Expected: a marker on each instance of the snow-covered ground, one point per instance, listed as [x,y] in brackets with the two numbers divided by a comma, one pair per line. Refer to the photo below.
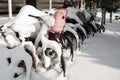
[100,58]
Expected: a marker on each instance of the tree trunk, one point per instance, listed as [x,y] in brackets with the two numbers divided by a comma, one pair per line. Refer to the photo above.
[99,3]
[82,4]
[94,9]
[31,2]
[110,17]
[103,16]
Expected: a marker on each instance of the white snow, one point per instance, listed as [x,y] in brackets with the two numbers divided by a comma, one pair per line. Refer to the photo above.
[99,58]
[7,71]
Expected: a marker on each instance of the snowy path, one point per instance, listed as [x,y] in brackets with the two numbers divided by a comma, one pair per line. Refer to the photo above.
[100,58]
